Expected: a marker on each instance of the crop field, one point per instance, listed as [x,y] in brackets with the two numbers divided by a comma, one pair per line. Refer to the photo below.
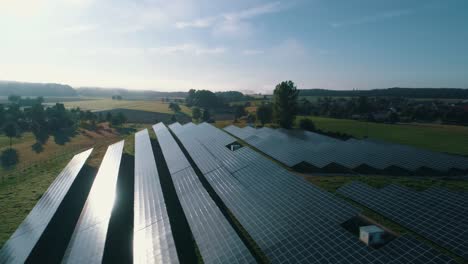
[108,104]
[23,185]
[442,138]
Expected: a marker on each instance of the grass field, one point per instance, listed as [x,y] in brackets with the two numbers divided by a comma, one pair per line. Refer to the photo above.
[22,186]
[442,138]
[107,104]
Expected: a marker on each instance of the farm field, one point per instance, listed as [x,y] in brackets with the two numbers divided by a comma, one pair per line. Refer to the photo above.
[442,138]
[23,185]
[108,104]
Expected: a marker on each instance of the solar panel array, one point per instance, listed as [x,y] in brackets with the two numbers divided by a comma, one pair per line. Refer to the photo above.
[292,147]
[87,242]
[291,220]
[153,241]
[19,246]
[216,239]
[437,214]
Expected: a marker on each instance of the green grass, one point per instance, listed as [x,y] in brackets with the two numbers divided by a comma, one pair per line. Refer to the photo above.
[442,138]
[332,183]
[5,141]
[144,105]
[22,186]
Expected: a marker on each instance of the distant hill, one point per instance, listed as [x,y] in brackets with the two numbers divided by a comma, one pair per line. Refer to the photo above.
[446,93]
[35,89]
[125,93]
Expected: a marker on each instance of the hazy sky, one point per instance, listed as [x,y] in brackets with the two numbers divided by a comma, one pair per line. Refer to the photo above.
[239,45]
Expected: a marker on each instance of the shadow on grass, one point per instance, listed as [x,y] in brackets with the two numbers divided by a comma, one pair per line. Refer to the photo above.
[37,147]
[54,241]
[9,158]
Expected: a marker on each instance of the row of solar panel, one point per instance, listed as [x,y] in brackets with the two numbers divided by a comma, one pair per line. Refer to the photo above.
[153,241]
[87,240]
[215,237]
[291,220]
[320,152]
[437,214]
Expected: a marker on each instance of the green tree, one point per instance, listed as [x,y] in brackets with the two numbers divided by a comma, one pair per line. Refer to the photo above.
[251,118]
[10,130]
[2,115]
[363,105]
[108,116]
[265,113]
[239,112]
[196,113]
[307,124]
[285,103]
[118,119]
[206,115]
[174,107]
[38,123]
[14,98]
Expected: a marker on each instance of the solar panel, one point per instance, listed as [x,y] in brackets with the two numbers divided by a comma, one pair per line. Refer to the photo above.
[292,147]
[216,239]
[291,220]
[87,242]
[437,214]
[21,243]
[153,241]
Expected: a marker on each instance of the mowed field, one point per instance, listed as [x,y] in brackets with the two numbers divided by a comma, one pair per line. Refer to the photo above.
[143,105]
[22,186]
[442,138]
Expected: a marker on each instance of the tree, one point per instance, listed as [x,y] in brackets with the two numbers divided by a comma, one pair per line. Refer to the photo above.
[10,130]
[108,116]
[2,115]
[363,105]
[239,112]
[118,119]
[174,107]
[206,115]
[38,123]
[204,98]
[285,103]
[14,98]
[251,118]
[196,113]
[265,113]
[307,124]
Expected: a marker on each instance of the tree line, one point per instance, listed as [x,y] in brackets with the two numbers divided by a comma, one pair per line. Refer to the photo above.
[433,93]
[43,122]
[386,109]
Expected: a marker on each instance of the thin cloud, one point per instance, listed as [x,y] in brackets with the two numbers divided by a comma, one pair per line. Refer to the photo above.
[230,18]
[187,49]
[252,52]
[373,18]
[80,28]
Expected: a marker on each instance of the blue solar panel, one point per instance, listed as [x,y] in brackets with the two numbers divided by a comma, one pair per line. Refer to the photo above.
[87,242]
[216,239]
[19,246]
[291,220]
[292,147]
[437,214]
[153,241]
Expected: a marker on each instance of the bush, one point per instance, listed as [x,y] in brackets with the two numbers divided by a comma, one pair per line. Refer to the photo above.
[9,157]
[307,124]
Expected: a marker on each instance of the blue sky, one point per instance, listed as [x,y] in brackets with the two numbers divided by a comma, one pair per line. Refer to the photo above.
[235,45]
